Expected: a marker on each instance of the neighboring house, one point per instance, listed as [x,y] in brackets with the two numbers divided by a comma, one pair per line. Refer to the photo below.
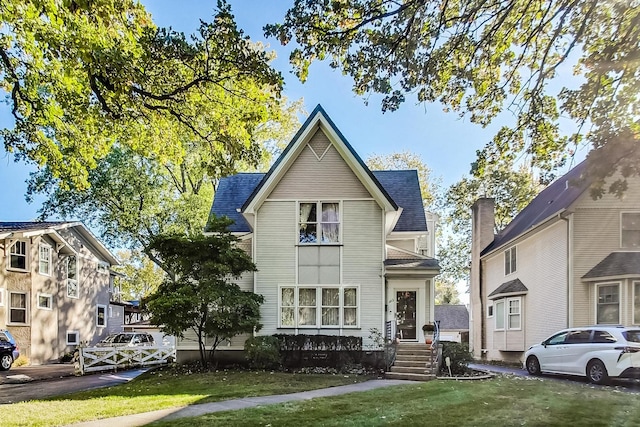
[337,246]
[453,320]
[54,287]
[566,260]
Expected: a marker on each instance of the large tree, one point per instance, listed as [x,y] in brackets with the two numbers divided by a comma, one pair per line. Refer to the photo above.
[82,76]
[139,277]
[199,295]
[482,58]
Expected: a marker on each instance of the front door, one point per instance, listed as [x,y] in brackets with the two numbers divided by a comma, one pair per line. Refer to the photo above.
[406,315]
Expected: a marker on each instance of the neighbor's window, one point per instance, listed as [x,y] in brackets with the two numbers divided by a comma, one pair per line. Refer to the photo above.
[44,253]
[509,309]
[72,277]
[73,337]
[18,255]
[319,222]
[101,316]
[18,307]
[608,310]
[490,310]
[318,307]
[630,230]
[514,313]
[510,261]
[45,301]
[636,303]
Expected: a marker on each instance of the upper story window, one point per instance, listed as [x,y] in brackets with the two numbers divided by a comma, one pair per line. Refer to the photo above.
[319,222]
[510,261]
[72,277]
[18,255]
[630,230]
[44,256]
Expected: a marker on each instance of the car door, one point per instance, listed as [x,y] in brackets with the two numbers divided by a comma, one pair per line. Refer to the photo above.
[552,351]
[577,344]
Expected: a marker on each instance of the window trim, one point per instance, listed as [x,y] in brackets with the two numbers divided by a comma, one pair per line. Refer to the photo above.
[67,280]
[597,304]
[104,315]
[490,310]
[26,308]
[12,243]
[77,334]
[2,297]
[635,295]
[513,260]
[49,297]
[622,213]
[49,260]
[319,222]
[506,307]
[318,324]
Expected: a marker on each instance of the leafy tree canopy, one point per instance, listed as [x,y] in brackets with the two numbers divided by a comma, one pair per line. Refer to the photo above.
[446,293]
[199,295]
[139,276]
[82,76]
[481,58]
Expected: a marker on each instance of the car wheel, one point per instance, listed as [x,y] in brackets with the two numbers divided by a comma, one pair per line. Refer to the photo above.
[5,362]
[597,372]
[533,366]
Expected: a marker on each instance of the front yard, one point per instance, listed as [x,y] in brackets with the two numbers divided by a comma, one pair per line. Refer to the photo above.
[500,401]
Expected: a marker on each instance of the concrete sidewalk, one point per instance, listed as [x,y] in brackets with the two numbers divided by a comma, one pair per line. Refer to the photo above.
[227,405]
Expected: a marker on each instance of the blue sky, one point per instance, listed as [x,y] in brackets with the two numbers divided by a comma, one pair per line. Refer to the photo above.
[446,143]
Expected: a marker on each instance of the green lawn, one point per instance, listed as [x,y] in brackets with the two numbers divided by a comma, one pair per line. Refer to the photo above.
[503,401]
[160,390]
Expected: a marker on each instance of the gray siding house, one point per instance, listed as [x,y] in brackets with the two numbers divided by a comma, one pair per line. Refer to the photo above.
[54,287]
[337,246]
[566,260]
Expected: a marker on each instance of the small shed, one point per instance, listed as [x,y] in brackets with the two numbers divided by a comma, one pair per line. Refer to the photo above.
[454,322]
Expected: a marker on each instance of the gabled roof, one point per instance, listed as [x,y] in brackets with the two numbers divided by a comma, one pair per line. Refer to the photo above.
[398,188]
[319,119]
[554,199]
[616,264]
[451,316]
[34,228]
[512,287]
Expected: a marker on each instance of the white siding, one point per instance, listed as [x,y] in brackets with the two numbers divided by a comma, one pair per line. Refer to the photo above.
[275,240]
[541,267]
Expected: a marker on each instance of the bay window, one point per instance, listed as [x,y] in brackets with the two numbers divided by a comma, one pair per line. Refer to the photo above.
[318,307]
[507,313]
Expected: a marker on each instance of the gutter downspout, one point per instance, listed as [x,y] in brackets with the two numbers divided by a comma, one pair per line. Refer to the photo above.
[569,234]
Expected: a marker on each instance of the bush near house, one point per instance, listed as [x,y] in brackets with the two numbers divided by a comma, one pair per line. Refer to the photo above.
[459,355]
[319,350]
[263,352]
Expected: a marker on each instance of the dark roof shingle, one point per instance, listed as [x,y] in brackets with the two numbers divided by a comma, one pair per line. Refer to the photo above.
[29,225]
[404,188]
[616,264]
[451,316]
[427,263]
[510,287]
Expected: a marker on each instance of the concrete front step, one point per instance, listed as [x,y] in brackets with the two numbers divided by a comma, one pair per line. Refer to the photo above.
[410,369]
[412,352]
[413,358]
[409,377]
[412,363]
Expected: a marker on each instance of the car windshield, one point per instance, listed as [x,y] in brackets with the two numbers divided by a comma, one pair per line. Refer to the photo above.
[119,339]
[632,336]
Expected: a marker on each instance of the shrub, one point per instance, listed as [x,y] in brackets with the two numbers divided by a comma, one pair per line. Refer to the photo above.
[319,350]
[459,355]
[22,360]
[262,352]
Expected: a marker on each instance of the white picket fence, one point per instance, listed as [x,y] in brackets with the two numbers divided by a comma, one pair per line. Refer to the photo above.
[105,358]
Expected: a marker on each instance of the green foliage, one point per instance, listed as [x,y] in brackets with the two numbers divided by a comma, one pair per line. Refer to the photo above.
[262,352]
[459,355]
[319,350]
[446,293]
[140,276]
[198,294]
[83,76]
[482,58]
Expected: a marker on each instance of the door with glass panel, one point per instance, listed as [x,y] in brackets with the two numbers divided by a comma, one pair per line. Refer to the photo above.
[406,327]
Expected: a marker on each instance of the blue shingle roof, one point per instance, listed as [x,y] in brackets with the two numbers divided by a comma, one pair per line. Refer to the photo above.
[402,186]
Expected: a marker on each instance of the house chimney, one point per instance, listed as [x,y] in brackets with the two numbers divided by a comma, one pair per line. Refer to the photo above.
[482,225]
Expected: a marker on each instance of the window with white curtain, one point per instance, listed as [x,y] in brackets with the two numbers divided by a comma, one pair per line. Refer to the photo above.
[319,222]
[18,255]
[318,307]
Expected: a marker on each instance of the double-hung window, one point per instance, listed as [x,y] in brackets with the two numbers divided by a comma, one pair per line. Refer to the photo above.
[507,313]
[510,261]
[318,306]
[319,222]
[630,230]
[45,301]
[101,316]
[18,255]
[608,309]
[44,257]
[72,277]
[18,305]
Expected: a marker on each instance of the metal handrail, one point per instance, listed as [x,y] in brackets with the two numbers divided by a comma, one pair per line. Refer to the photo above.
[434,347]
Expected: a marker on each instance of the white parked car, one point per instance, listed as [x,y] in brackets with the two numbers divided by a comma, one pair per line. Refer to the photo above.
[130,339]
[597,352]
